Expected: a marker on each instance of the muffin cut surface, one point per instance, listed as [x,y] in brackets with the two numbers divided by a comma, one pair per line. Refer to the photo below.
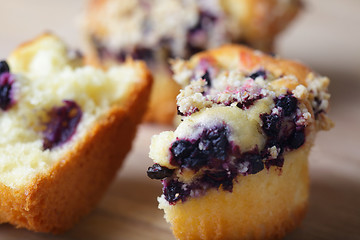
[66,130]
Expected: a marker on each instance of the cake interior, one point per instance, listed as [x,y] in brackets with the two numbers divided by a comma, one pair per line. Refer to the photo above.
[53,101]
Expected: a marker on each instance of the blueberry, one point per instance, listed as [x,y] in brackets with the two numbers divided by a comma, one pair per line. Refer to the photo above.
[4,67]
[187,154]
[218,178]
[248,102]
[6,83]
[212,144]
[121,56]
[138,53]
[288,103]
[271,124]
[255,161]
[277,162]
[259,73]
[204,22]
[207,78]
[178,111]
[244,104]
[181,149]
[197,160]
[62,125]
[215,143]
[297,139]
[142,53]
[158,172]
[173,191]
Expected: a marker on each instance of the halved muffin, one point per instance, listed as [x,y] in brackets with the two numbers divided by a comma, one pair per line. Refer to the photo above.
[156,30]
[66,129]
[236,166]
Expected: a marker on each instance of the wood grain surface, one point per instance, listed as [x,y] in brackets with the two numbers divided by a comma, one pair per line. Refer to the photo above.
[326,37]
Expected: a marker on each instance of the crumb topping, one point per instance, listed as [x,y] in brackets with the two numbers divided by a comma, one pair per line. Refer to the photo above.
[318,94]
[232,86]
[228,87]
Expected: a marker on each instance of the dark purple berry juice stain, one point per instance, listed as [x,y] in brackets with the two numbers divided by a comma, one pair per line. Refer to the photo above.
[6,82]
[62,125]
[6,86]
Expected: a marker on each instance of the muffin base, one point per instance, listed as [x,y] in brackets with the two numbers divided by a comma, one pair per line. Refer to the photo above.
[266,205]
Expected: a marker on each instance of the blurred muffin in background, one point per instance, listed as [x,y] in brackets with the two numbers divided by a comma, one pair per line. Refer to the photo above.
[156,30]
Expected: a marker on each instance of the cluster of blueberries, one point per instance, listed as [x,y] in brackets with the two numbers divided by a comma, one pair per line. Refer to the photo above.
[213,151]
[63,124]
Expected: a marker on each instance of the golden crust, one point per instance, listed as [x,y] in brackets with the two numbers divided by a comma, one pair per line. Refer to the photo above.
[55,201]
[266,205]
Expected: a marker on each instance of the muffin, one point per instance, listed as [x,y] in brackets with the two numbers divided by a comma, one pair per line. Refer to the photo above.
[156,30]
[66,129]
[236,166]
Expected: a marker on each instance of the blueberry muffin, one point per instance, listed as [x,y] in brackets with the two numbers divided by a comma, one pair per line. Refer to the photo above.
[236,166]
[66,128]
[155,30]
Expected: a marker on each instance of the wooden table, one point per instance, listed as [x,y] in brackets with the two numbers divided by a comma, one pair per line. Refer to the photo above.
[326,37]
